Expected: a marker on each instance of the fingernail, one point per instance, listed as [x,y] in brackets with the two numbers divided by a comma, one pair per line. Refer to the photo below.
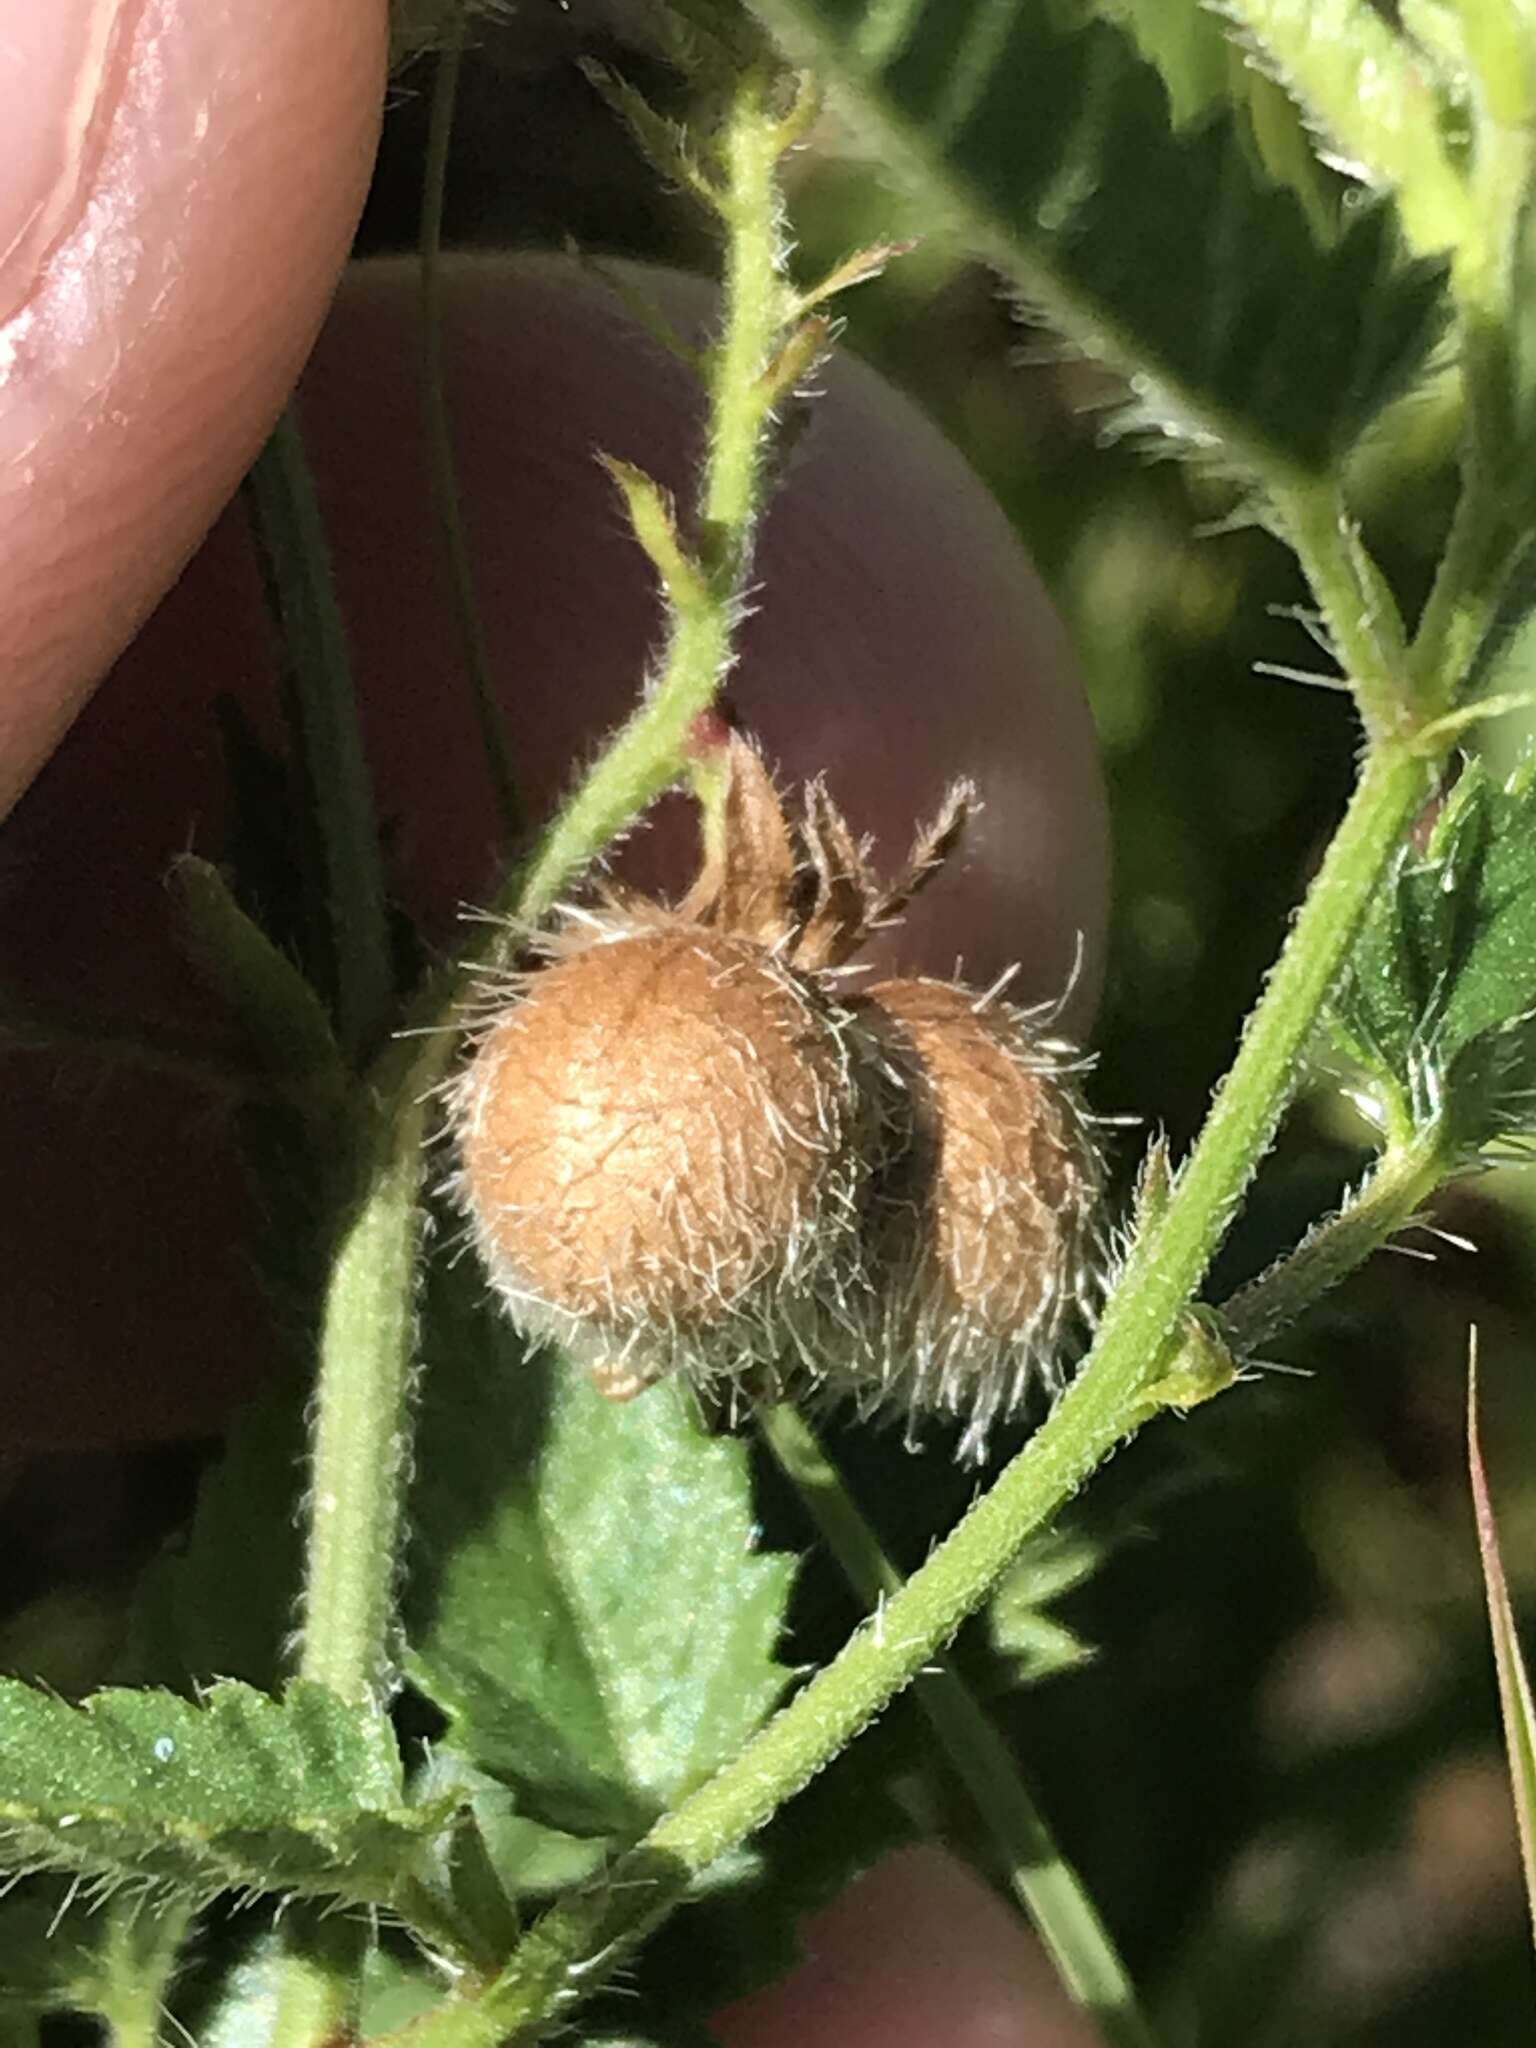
[56,72]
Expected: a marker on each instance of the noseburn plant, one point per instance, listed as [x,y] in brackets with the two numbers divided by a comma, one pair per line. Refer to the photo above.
[586,1628]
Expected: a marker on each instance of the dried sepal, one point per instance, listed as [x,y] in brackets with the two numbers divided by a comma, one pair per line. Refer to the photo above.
[804,883]
[747,882]
[930,851]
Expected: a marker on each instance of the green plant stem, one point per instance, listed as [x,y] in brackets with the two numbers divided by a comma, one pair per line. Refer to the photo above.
[361,1432]
[447,510]
[581,1936]
[139,1953]
[646,756]
[358,1463]
[756,302]
[360,1449]
[1046,1885]
[1400,1184]
[304,599]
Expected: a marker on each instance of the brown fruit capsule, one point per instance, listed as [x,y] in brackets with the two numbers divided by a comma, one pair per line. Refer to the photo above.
[982,1238]
[682,1151]
[662,1152]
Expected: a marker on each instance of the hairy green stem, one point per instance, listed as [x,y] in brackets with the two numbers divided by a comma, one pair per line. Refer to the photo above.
[756,304]
[360,1449]
[1399,1185]
[442,479]
[139,1951]
[365,1349]
[1046,1885]
[583,1935]
[339,791]
[646,755]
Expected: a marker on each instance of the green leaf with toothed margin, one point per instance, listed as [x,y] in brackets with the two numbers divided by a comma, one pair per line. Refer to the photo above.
[236,1791]
[1377,98]
[1051,149]
[1438,1003]
[586,1600]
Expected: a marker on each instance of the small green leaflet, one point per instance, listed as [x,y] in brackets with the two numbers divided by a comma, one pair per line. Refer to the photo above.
[1051,148]
[585,1600]
[235,1791]
[1031,1642]
[1438,1003]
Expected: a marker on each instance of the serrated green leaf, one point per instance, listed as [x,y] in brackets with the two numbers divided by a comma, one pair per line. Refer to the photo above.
[1167,254]
[236,1791]
[1201,67]
[585,1600]
[1515,1703]
[1374,98]
[1184,42]
[1439,1001]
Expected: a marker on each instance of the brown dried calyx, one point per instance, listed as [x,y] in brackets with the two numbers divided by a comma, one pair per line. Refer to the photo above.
[684,1148]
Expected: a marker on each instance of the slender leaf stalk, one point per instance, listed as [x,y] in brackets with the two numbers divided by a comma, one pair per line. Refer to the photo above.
[361,1437]
[1399,1185]
[335,770]
[1046,1885]
[1516,1707]
[647,754]
[140,1946]
[447,509]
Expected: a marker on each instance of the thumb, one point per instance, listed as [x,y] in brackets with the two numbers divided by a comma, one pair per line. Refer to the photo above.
[180,182]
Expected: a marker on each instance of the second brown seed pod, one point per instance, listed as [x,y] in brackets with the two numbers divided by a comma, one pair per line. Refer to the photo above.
[983,1236]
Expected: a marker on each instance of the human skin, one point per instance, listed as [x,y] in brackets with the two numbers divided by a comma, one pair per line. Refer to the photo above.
[180,182]
[177,193]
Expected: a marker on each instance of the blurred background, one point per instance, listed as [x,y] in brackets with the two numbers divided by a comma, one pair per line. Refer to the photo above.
[1262,1711]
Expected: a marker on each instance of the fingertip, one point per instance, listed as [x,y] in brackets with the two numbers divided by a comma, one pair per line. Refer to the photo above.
[916,1952]
[175,215]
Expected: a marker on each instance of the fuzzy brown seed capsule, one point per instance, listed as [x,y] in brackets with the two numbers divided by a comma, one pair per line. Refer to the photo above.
[982,1232]
[681,1151]
[662,1152]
